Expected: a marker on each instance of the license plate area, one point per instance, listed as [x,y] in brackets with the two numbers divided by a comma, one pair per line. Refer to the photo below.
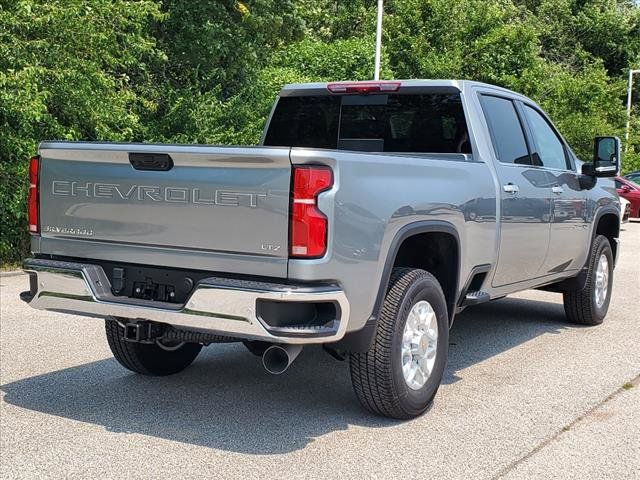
[148,290]
[149,283]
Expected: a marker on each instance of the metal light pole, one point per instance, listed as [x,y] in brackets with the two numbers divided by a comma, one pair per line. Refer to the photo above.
[629,88]
[376,73]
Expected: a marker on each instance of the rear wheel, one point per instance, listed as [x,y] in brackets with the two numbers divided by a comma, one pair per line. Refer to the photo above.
[160,358]
[400,374]
[589,305]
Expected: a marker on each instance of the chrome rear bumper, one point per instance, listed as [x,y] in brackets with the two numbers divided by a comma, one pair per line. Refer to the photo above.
[217,305]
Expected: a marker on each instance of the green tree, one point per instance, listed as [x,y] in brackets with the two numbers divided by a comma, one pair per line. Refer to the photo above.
[207,71]
[70,70]
[220,44]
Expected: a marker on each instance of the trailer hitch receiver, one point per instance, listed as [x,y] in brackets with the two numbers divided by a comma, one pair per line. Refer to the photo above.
[142,332]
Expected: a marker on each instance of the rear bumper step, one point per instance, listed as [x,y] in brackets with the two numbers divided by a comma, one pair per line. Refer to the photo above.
[217,305]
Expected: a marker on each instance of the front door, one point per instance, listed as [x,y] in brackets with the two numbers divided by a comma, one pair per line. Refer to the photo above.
[569,236]
[525,196]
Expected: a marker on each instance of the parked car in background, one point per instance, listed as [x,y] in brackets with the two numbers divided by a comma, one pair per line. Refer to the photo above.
[633,176]
[625,210]
[630,191]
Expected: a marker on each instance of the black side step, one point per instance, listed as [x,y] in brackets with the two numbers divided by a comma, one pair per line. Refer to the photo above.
[473,293]
[475,298]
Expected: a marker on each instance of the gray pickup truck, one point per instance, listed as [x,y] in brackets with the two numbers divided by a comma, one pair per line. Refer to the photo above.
[370,214]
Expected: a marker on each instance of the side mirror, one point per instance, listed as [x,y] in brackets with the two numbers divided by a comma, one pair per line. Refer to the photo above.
[625,189]
[606,157]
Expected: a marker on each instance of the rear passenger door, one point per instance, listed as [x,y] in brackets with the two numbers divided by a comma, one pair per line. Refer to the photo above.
[569,233]
[525,194]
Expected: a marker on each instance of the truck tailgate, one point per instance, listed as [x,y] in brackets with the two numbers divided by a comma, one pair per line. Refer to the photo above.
[217,203]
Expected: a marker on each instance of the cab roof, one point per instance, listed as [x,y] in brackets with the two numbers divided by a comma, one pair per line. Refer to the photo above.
[415,86]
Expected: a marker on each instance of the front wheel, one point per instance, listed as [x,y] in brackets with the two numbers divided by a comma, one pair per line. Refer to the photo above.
[589,305]
[400,374]
[160,358]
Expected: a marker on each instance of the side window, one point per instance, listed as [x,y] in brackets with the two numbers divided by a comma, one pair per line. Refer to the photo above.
[506,130]
[549,150]
[618,184]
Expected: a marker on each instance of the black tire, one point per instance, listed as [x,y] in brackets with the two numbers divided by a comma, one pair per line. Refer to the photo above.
[377,375]
[580,306]
[148,359]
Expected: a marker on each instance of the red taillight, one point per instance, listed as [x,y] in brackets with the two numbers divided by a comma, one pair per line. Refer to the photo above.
[363,87]
[33,200]
[308,224]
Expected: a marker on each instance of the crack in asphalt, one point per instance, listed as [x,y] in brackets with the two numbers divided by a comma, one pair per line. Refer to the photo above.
[635,382]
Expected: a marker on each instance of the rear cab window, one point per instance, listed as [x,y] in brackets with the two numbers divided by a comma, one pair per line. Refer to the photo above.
[412,123]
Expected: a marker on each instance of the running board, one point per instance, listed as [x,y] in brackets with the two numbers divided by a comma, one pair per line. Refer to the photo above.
[475,298]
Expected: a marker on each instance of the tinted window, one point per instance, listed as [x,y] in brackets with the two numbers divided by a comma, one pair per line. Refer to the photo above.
[428,123]
[549,150]
[618,184]
[506,130]
[305,122]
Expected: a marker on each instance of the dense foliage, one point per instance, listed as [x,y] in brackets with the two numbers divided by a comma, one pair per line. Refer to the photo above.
[207,71]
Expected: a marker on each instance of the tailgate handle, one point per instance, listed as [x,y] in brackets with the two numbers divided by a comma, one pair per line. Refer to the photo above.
[151,161]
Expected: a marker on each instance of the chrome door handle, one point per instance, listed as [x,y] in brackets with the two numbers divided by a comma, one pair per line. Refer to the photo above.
[557,189]
[511,188]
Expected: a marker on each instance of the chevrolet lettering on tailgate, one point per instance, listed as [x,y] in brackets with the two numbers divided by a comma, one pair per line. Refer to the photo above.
[156,193]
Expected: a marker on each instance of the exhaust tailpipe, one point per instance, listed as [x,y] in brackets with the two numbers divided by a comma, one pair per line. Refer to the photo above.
[277,358]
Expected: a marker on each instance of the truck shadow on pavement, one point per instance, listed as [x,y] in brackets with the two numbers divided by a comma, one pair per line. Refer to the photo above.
[226,401]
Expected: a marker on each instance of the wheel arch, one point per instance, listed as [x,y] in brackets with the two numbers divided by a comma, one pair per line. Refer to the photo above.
[445,235]
[607,223]
[445,269]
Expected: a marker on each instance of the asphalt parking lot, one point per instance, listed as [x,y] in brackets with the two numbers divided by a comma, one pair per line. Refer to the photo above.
[525,395]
